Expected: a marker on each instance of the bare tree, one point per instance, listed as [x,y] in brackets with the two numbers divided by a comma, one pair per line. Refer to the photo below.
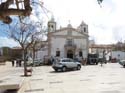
[38,42]
[24,34]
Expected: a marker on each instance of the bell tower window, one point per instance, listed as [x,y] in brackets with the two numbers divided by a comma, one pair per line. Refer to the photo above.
[69,41]
[84,29]
[52,26]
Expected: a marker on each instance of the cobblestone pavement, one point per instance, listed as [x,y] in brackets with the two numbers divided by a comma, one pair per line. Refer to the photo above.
[7,72]
[90,79]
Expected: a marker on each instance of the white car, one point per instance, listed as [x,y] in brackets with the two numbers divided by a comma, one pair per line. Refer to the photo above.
[66,63]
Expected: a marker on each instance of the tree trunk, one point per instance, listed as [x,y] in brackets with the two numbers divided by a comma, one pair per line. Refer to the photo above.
[25,62]
[33,55]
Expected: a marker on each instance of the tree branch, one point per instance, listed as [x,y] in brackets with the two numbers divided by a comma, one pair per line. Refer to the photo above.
[6,12]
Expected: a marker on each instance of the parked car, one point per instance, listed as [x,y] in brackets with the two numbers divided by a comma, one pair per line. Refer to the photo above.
[29,63]
[37,63]
[122,62]
[65,64]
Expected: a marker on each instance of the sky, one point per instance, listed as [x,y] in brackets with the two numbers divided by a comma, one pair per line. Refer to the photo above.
[106,23]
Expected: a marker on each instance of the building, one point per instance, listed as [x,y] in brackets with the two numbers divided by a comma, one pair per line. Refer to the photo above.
[102,50]
[96,48]
[1,52]
[16,53]
[5,54]
[68,41]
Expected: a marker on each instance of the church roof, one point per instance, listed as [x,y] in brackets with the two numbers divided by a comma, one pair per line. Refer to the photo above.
[82,23]
[69,28]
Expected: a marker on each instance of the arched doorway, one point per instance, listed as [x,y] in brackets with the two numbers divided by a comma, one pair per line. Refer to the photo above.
[69,54]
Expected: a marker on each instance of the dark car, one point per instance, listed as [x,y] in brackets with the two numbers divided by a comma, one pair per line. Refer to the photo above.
[37,63]
[122,62]
[92,59]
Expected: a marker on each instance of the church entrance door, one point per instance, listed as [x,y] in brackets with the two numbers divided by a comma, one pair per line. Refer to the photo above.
[70,54]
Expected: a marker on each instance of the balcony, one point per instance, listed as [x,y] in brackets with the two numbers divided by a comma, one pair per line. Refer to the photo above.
[70,46]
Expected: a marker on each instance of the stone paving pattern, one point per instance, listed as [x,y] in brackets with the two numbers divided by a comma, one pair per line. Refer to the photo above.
[90,79]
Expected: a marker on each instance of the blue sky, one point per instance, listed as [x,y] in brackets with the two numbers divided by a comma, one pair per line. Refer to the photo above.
[106,23]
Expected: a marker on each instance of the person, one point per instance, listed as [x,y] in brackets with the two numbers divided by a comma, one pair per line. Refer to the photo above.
[20,62]
[82,61]
[17,63]
[12,63]
[101,62]
[85,61]
[52,59]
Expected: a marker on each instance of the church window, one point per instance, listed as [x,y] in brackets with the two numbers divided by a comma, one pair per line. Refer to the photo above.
[52,26]
[84,29]
[80,53]
[57,53]
[69,41]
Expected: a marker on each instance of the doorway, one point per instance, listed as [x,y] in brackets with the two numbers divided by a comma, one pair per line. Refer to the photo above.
[69,54]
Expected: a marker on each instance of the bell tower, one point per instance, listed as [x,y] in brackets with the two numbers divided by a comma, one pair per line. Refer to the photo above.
[83,28]
[52,25]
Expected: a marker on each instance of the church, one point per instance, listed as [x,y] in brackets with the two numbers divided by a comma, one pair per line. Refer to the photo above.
[67,41]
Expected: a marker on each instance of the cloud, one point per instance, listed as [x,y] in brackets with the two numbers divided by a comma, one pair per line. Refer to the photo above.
[101,20]
[4,41]
[119,34]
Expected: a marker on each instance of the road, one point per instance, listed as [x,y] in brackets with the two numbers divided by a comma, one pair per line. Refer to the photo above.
[90,79]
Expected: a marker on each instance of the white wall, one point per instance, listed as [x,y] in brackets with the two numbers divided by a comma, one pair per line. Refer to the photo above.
[41,53]
[82,43]
[75,33]
[116,53]
[58,44]
[61,32]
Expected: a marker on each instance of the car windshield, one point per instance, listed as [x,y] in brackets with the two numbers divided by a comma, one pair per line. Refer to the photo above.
[64,60]
[67,60]
[36,60]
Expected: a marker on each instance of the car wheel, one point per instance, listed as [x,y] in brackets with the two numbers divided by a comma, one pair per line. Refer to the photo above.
[64,69]
[40,64]
[96,63]
[78,67]
[124,66]
[56,70]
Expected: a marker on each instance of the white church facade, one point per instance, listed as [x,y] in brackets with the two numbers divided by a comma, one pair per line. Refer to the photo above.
[67,41]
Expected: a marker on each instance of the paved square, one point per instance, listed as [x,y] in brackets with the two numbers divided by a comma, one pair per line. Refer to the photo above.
[90,79]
